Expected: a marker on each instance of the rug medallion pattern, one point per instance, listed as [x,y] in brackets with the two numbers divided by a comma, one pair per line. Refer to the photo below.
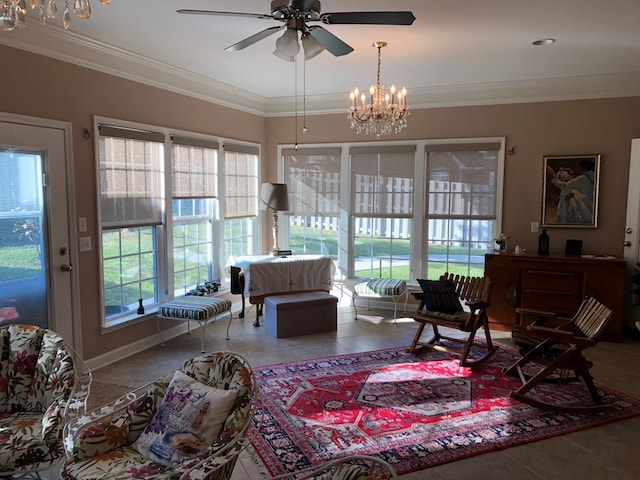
[414,411]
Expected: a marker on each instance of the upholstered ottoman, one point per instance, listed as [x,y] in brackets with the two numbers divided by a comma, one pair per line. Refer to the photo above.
[392,288]
[202,309]
[301,314]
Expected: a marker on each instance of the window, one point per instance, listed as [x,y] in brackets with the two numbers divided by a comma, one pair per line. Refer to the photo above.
[194,169]
[313,177]
[131,185]
[241,206]
[162,214]
[462,205]
[398,217]
[382,182]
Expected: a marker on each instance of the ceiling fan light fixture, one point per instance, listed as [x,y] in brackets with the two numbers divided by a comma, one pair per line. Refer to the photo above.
[311,46]
[287,45]
[283,56]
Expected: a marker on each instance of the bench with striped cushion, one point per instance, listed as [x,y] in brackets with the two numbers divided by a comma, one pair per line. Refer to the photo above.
[201,309]
[392,288]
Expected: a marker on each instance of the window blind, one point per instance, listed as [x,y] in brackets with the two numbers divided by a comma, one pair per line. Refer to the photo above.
[241,181]
[194,168]
[462,180]
[131,177]
[382,180]
[313,177]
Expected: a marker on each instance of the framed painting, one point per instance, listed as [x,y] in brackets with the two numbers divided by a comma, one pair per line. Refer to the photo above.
[570,191]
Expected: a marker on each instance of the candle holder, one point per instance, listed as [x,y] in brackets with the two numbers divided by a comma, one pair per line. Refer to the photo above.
[140,307]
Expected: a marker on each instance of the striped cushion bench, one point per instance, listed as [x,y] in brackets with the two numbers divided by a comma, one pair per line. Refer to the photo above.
[392,288]
[202,309]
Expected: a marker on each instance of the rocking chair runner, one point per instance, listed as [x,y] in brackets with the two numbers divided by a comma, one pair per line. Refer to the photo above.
[557,343]
[441,306]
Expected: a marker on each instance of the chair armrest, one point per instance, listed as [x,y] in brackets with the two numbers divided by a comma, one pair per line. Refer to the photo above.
[536,312]
[351,467]
[541,328]
[112,425]
[559,336]
[477,304]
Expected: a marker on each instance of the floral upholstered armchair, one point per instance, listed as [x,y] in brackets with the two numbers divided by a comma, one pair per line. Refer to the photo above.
[41,379]
[191,424]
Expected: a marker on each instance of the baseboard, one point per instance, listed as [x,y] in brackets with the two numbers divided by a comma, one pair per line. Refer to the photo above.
[125,351]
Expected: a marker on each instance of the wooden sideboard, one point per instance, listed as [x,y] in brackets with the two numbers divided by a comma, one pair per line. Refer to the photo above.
[556,283]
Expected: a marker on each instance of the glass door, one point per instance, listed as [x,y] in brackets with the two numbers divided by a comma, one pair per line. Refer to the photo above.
[35,259]
[23,296]
[632,240]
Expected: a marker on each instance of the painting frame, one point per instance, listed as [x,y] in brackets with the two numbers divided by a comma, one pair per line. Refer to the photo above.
[570,191]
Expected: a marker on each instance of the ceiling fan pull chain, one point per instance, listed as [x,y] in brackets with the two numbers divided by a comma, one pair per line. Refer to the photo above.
[295,94]
[304,96]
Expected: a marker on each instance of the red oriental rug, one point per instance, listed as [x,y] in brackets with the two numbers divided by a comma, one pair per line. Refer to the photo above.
[414,411]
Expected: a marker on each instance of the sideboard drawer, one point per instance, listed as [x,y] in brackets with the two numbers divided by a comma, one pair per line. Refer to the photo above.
[556,291]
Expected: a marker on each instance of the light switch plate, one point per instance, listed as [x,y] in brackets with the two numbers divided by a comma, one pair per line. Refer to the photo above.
[85,244]
[534,227]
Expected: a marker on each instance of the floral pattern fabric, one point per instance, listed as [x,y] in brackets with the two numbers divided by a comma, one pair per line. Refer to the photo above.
[36,381]
[100,446]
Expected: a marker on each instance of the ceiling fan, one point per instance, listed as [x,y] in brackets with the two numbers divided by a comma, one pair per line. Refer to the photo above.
[295,14]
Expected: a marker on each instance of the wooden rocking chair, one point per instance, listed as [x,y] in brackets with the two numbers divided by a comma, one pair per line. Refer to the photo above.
[557,343]
[441,305]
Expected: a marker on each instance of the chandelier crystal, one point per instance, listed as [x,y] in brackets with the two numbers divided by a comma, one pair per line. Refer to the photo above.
[13,13]
[383,112]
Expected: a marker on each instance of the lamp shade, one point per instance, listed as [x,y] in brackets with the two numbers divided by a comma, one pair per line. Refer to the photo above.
[274,196]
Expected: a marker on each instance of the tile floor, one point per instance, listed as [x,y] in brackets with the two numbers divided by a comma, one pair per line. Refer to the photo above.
[610,451]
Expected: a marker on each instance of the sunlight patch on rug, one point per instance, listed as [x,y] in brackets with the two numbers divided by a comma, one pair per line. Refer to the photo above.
[413,411]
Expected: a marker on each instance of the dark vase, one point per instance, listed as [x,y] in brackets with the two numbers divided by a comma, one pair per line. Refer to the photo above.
[543,243]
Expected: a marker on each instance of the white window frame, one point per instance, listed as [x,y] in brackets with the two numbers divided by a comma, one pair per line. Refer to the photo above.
[419,223]
[164,263]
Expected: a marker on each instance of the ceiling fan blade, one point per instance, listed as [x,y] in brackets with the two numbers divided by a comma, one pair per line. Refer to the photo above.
[256,37]
[188,11]
[368,18]
[330,42]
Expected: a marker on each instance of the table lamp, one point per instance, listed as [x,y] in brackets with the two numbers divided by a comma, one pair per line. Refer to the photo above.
[274,197]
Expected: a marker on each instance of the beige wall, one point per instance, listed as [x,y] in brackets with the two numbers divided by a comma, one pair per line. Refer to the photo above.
[603,126]
[47,88]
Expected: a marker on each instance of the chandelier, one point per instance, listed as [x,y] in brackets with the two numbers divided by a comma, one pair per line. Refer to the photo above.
[13,13]
[385,113]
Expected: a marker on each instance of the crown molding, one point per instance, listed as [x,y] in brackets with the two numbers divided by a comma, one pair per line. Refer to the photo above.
[54,42]
[64,45]
[625,84]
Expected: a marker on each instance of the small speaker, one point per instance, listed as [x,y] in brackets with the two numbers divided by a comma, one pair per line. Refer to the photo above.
[573,247]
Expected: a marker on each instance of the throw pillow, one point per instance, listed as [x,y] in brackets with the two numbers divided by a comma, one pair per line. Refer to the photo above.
[440,296]
[187,421]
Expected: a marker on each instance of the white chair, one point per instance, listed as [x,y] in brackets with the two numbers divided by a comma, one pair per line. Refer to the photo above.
[100,444]
[42,381]
[354,467]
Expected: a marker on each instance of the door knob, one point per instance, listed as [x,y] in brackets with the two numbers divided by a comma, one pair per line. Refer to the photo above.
[627,243]
[629,230]
[65,267]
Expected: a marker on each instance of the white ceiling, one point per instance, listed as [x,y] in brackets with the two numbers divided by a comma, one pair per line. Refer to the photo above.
[457,52]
